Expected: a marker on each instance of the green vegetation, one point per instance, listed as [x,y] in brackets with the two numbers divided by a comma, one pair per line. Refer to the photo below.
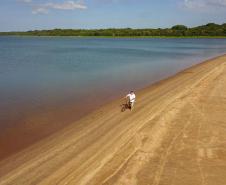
[208,30]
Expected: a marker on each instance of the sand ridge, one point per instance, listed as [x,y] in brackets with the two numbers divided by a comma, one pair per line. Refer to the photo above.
[175,135]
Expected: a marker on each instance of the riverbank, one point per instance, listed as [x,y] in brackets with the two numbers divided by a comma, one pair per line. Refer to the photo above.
[208,30]
[122,37]
[175,134]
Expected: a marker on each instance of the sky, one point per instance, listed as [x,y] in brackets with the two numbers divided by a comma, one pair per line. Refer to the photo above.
[24,15]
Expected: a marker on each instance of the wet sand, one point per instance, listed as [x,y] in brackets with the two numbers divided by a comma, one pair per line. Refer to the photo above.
[175,135]
[25,125]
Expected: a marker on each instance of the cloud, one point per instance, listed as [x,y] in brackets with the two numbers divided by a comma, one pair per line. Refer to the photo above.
[220,3]
[25,1]
[39,10]
[194,4]
[68,5]
[204,4]
[44,8]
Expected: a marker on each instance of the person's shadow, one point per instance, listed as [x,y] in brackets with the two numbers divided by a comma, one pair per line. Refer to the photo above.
[124,106]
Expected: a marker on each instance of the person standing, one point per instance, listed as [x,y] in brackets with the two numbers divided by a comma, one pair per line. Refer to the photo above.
[131,97]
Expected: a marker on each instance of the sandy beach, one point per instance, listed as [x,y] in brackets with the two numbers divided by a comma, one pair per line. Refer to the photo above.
[175,135]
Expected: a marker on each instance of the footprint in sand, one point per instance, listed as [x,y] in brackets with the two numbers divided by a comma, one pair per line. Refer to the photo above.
[206,153]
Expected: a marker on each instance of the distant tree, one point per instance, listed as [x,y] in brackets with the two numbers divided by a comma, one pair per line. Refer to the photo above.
[224,25]
[179,27]
[212,25]
[210,29]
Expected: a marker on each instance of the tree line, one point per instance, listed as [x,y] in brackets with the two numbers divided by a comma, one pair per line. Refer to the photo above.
[208,30]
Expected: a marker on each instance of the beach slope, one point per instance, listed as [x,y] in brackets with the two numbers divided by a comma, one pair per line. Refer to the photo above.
[175,135]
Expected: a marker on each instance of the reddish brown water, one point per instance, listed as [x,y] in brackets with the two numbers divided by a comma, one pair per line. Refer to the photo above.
[39,123]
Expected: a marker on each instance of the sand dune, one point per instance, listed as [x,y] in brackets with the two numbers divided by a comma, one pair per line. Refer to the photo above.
[174,136]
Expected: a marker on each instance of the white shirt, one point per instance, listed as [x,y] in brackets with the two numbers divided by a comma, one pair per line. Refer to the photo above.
[131,97]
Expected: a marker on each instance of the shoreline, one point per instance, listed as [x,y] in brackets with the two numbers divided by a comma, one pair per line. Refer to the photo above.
[121,37]
[46,123]
[106,145]
[28,141]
